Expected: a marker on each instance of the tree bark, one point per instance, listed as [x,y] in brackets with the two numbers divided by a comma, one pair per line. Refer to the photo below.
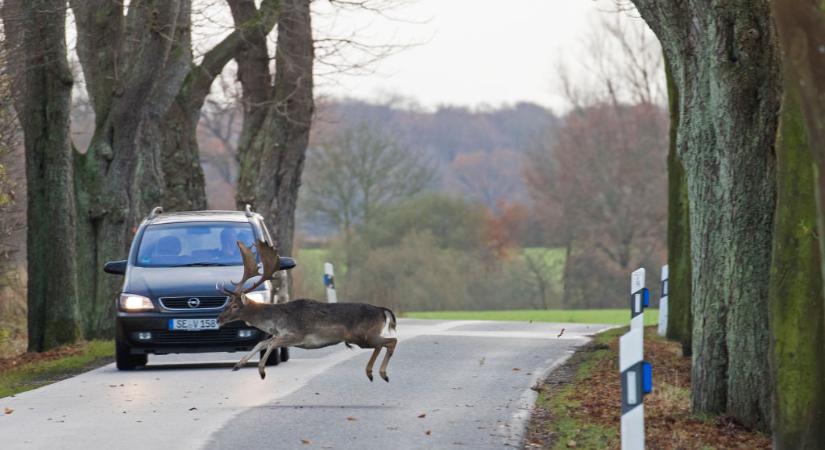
[272,154]
[680,319]
[185,188]
[801,26]
[797,301]
[724,62]
[35,31]
[121,175]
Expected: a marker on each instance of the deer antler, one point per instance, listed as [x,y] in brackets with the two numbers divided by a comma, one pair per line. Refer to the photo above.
[271,265]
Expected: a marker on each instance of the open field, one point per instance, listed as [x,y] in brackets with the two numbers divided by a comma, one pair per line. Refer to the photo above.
[609,316]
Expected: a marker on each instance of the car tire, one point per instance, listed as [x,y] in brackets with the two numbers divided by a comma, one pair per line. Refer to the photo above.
[284,354]
[124,359]
[274,358]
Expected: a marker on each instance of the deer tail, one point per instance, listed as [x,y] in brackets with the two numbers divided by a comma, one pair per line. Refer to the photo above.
[390,318]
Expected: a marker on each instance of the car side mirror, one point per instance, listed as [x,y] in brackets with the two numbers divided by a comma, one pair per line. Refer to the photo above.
[115,267]
[286,263]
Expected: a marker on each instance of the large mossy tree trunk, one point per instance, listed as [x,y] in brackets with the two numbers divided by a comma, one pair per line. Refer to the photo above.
[801,26]
[797,299]
[680,317]
[274,140]
[36,42]
[121,174]
[723,60]
[796,296]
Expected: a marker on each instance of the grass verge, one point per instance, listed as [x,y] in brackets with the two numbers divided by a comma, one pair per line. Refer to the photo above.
[33,370]
[578,405]
[608,316]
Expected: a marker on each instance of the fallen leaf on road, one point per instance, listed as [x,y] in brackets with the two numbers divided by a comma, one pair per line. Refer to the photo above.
[422,415]
[306,441]
[8,410]
[351,419]
[192,408]
[429,432]
[560,333]
[516,369]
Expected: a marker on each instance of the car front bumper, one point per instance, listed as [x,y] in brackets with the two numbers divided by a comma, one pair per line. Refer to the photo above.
[148,332]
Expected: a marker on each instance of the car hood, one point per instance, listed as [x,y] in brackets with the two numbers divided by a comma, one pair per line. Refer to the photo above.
[156,282]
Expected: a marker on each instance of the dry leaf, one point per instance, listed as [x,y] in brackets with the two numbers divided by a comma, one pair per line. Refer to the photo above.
[8,410]
[352,419]
[429,432]
[516,369]
[192,408]
[422,415]
[560,333]
[306,441]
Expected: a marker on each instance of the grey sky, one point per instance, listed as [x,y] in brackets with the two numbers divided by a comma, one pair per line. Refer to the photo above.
[467,52]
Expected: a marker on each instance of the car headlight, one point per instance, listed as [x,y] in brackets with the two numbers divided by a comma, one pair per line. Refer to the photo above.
[258,296]
[132,302]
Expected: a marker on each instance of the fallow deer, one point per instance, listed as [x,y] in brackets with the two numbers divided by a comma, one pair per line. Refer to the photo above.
[305,323]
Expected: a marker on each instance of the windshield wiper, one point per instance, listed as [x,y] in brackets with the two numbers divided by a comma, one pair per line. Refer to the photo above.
[203,264]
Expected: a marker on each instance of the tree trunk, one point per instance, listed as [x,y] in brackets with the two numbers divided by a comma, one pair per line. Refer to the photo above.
[680,319]
[272,155]
[801,25]
[121,175]
[724,62]
[797,305]
[44,82]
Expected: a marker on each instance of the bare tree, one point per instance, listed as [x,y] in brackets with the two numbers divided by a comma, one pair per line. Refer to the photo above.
[353,175]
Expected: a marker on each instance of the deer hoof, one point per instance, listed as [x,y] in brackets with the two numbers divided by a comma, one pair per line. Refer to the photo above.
[236,368]
[369,375]
[263,374]
[385,377]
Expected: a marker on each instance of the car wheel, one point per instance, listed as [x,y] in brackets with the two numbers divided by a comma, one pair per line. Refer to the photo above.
[123,356]
[284,354]
[274,357]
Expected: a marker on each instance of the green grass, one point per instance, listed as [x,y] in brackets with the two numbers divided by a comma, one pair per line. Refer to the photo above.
[40,373]
[608,316]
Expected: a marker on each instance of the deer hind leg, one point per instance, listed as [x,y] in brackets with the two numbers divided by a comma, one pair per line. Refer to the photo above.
[390,344]
[374,356]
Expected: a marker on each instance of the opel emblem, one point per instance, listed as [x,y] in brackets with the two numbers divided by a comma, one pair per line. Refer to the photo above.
[193,302]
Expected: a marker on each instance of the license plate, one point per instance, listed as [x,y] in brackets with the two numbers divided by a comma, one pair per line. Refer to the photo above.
[193,324]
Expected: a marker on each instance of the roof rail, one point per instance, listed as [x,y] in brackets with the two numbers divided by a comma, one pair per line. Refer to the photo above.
[156,211]
[248,210]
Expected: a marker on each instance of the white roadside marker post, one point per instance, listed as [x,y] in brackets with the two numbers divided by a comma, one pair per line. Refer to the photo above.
[636,375]
[663,311]
[329,282]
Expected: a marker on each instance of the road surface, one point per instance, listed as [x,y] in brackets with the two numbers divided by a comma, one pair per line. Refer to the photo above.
[453,384]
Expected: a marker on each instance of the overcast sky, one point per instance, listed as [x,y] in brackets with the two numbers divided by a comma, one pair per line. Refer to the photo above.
[465,52]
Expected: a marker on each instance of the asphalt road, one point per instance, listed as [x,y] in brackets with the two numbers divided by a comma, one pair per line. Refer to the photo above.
[453,384]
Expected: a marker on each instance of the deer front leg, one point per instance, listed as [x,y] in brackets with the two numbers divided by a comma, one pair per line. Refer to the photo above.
[273,344]
[374,356]
[255,350]
[391,342]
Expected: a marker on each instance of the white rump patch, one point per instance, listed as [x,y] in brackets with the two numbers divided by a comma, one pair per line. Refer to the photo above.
[386,331]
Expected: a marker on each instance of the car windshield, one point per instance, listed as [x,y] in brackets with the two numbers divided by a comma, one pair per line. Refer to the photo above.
[194,244]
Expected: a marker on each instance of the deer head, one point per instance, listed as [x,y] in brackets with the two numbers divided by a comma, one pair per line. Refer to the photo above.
[237,297]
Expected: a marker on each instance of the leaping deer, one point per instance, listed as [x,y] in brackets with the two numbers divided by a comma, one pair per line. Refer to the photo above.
[305,323]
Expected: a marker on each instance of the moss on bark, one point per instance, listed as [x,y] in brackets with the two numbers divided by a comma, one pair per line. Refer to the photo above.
[680,318]
[796,296]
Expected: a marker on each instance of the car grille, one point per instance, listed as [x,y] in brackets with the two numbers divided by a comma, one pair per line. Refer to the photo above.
[201,337]
[206,302]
